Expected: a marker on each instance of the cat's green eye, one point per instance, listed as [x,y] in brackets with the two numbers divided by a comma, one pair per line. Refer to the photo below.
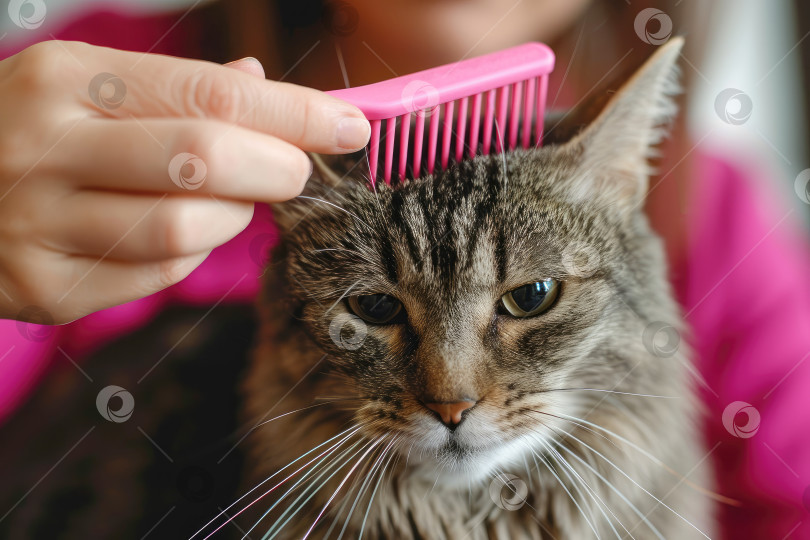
[376,308]
[531,299]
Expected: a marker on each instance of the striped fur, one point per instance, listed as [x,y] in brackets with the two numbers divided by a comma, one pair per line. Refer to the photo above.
[566,398]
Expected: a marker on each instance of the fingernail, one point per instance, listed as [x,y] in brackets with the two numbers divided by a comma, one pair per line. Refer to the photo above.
[245,59]
[353,133]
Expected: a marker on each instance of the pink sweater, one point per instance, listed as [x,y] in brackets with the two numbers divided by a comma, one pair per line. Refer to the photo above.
[743,289]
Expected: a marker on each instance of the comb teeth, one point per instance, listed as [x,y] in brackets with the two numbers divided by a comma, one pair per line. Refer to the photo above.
[429,119]
[429,140]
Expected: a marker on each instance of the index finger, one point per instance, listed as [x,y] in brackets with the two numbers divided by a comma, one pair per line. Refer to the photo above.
[163,86]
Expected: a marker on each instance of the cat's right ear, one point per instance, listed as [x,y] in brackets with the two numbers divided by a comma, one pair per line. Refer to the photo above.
[612,150]
[330,177]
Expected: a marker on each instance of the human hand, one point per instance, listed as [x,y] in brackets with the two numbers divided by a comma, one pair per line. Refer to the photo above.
[121,171]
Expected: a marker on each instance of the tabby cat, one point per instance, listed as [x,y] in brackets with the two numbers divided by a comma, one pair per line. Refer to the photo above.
[488,352]
[491,352]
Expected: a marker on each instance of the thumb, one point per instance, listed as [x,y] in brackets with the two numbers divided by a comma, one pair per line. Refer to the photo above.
[248,65]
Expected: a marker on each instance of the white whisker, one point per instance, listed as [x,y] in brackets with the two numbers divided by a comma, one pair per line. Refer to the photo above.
[613,488]
[318,517]
[373,493]
[609,392]
[633,445]
[366,474]
[322,457]
[309,491]
[257,486]
[291,412]
[638,485]
[591,491]
[570,496]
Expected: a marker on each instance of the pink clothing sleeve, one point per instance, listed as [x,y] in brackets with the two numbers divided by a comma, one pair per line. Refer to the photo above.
[744,291]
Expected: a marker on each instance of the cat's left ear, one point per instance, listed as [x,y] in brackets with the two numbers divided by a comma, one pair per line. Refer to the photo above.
[613,151]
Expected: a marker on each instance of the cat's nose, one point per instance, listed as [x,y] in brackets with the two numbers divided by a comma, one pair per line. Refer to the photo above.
[451,413]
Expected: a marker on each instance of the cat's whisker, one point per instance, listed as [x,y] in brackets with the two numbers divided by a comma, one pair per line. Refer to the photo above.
[310,490]
[335,206]
[305,476]
[378,465]
[323,456]
[432,487]
[320,514]
[359,482]
[581,423]
[373,493]
[633,445]
[605,391]
[577,479]
[408,456]
[567,491]
[552,415]
[600,503]
[528,472]
[609,462]
[293,412]
[352,429]
[366,482]
[613,488]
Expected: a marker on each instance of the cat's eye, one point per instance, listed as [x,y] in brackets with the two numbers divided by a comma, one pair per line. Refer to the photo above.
[531,299]
[376,308]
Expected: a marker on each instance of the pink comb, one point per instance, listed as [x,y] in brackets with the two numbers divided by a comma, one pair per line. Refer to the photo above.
[511,84]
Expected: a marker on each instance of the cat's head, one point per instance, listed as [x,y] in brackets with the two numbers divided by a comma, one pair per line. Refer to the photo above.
[471,311]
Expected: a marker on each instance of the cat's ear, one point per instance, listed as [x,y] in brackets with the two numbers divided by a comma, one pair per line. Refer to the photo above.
[613,152]
[330,176]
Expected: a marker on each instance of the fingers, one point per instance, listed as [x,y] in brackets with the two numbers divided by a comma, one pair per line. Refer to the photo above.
[101,284]
[182,156]
[165,86]
[140,227]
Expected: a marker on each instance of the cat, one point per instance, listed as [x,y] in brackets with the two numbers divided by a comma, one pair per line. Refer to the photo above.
[490,352]
[478,353]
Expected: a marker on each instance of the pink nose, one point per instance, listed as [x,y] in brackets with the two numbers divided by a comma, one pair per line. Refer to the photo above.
[450,413]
